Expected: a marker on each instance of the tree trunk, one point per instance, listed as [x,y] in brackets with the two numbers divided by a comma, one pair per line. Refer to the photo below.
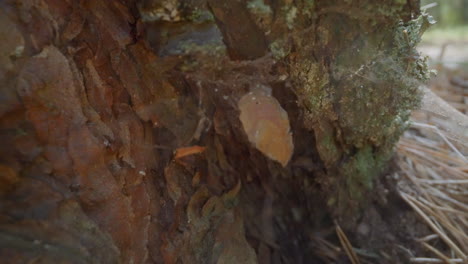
[196,131]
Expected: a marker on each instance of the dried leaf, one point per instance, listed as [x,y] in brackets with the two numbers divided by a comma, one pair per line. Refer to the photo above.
[266,124]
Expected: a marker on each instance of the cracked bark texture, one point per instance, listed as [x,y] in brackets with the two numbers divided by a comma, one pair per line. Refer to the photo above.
[97,96]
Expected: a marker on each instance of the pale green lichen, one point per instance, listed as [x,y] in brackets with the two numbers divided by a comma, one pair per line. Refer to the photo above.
[392,81]
[259,7]
[389,79]
[359,171]
[364,96]
[199,16]
[291,16]
[279,49]
[314,92]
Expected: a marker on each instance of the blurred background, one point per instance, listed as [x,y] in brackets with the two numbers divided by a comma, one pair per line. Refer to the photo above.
[446,44]
[449,35]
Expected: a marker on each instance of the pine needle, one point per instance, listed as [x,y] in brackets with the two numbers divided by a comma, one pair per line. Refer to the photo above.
[435,163]
[347,245]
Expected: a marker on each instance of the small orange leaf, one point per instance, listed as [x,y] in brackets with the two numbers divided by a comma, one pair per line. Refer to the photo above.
[187,151]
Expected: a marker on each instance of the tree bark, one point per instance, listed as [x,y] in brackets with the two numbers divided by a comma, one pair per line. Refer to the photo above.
[196,131]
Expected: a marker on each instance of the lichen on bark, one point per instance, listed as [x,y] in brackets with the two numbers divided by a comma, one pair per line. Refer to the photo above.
[358,85]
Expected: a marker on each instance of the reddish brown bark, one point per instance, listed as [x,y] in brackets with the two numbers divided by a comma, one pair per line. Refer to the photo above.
[95,103]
